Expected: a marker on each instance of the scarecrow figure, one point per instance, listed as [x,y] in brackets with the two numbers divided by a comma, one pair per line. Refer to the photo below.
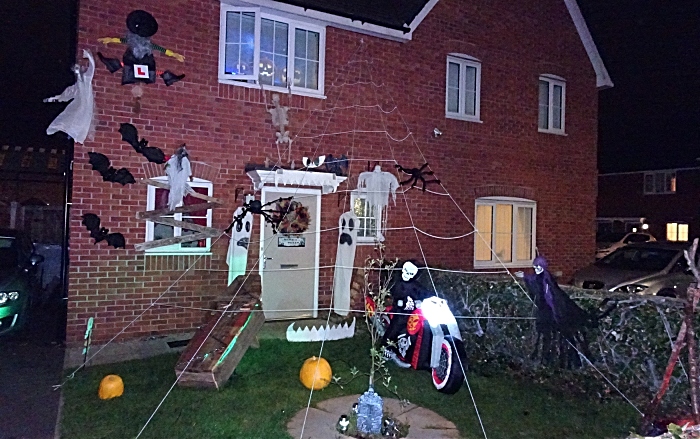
[78,118]
[558,318]
[138,63]
[179,172]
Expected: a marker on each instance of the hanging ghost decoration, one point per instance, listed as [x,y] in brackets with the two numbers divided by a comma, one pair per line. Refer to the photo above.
[179,172]
[78,118]
[237,257]
[138,63]
[376,187]
[344,262]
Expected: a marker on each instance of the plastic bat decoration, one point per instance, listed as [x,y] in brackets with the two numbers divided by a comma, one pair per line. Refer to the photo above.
[131,136]
[101,164]
[92,223]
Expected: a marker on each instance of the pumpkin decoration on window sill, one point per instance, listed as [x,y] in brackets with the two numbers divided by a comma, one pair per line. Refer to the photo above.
[315,373]
[111,386]
[295,217]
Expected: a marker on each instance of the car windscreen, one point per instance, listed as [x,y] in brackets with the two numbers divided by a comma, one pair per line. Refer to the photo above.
[638,259]
[8,252]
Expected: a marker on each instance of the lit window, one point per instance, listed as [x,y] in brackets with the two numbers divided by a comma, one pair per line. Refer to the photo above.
[257,48]
[661,182]
[367,230]
[506,232]
[463,98]
[552,99]
[158,199]
[676,232]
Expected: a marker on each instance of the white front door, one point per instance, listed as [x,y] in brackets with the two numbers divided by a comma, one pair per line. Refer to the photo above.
[289,263]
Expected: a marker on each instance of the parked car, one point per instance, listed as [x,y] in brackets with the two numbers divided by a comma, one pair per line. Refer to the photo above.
[610,242]
[651,268]
[18,264]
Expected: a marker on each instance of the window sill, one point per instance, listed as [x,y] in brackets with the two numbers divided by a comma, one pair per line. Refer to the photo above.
[463,118]
[558,133]
[659,193]
[297,92]
[204,252]
[367,241]
[491,265]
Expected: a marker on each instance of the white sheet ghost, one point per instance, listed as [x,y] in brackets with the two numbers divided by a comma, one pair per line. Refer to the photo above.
[376,186]
[178,171]
[344,262]
[78,118]
[237,256]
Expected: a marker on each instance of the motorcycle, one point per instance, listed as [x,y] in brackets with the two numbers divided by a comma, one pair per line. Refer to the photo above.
[426,337]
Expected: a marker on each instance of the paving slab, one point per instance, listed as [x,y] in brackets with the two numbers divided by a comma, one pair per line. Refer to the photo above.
[320,421]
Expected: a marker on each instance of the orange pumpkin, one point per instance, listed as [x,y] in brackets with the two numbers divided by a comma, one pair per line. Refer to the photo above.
[316,373]
[111,386]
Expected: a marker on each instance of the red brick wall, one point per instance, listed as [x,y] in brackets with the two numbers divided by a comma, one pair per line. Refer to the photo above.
[230,126]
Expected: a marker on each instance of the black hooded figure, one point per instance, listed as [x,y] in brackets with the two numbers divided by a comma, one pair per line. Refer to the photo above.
[138,62]
[405,294]
[558,318]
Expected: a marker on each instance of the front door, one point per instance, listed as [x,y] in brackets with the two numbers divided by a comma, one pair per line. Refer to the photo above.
[289,262]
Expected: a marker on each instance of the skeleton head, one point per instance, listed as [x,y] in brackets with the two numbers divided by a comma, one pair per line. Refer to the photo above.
[539,264]
[408,271]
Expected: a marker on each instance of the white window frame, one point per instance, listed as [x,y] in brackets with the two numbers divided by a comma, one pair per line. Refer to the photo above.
[552,80]
[494,262]
[463,61]
[370,236]
[177,249]
[251,81]
[667,176]
[677,232]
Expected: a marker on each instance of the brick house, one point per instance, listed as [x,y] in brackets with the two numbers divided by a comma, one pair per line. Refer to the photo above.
[666,200]
[512,87]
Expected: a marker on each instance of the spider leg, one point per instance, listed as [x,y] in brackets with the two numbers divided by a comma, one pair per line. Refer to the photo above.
[406,181]
[423,167]
[236,219]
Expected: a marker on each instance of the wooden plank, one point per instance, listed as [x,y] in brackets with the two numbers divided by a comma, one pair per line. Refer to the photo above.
[182,209]
[184,225]
[246,336]
[176,240]
[161,185]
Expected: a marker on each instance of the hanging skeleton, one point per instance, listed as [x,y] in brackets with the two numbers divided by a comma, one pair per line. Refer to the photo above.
[280,120]
[179,172]
[78,118]
[376,186]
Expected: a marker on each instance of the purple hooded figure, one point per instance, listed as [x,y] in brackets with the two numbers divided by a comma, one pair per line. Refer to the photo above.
[558,316]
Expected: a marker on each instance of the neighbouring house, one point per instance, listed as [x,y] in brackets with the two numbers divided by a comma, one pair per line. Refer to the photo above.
[665,201]
[498,97]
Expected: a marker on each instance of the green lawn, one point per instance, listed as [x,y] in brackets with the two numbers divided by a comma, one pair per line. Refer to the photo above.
[265,392]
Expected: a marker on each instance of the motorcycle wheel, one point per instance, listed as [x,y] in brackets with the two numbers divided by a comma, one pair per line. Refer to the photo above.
[448,376]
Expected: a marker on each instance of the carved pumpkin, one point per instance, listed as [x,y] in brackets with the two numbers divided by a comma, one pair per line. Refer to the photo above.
[111,386]
[316,373]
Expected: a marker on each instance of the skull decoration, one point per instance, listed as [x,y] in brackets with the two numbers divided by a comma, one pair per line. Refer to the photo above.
[539,264]
[408,271]
[538,269]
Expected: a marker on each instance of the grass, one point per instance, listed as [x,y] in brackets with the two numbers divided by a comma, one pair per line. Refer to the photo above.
[265,392]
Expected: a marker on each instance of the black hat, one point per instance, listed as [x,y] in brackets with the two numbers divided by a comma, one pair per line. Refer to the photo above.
[141,23]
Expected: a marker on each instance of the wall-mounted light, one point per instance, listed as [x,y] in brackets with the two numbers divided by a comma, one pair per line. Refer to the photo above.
[437,132]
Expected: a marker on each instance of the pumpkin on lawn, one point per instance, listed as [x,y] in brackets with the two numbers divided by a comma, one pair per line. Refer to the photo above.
[111,386]
[316,373]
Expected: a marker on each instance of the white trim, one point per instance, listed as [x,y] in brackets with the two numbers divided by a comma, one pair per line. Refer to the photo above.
[367,240]
[612,174]
[327,181]
[317,231]
[224,10]
[552,81]
[343,22]
[463,61]
[603,80]
[515,202]
[175,249]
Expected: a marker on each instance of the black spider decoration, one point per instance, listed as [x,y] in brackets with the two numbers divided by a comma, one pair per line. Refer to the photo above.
[272,217]
[415,175]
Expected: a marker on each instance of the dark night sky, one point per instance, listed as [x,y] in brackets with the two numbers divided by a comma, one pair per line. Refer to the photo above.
[649,120]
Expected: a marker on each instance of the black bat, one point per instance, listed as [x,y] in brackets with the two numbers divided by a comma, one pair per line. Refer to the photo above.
[131,136]
[101,164]
[92,223]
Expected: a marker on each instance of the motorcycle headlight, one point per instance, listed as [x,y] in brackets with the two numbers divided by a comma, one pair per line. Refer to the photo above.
[4,298]
[630,289]
[437,312]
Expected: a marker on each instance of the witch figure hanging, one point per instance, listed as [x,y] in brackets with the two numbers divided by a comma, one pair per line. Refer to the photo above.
[560,323]
[138,63]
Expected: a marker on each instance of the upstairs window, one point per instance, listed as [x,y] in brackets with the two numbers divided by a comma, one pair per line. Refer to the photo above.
[463,94]
[158,199]
[257,48]
[552,103]
[662,182]
[506,232]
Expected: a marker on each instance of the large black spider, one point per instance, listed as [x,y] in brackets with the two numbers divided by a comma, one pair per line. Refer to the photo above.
[415,175]
[272,216]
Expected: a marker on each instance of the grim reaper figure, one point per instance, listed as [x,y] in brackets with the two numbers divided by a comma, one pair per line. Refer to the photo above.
[560,323]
